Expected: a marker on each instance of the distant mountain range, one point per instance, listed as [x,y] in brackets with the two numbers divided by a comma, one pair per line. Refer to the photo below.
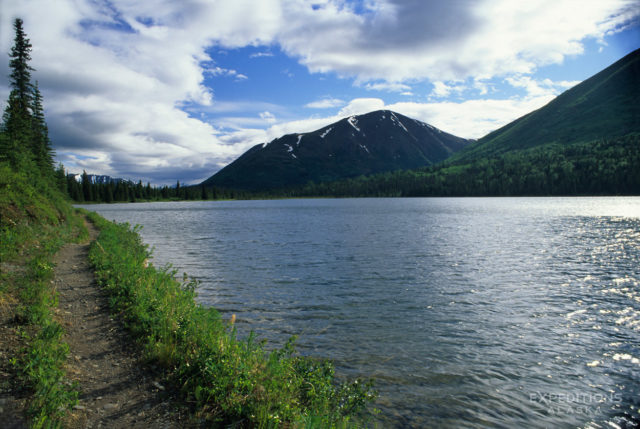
[376,142]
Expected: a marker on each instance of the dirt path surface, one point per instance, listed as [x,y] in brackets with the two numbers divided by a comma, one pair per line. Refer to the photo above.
[115,391]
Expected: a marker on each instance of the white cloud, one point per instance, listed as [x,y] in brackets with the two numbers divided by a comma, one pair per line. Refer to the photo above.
[400,40]
[442,90]
[358,106]
[325,103]
[388,86]
[219,71]
[472,118]
[261,55]
[536,88]
[268,117]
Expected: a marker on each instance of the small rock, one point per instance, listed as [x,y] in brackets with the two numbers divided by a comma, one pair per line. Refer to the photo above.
[110,406]
[158,385]
[79,407]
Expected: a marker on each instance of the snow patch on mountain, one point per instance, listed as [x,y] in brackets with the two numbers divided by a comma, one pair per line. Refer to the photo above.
[354,123]
[323,135]
[396,121]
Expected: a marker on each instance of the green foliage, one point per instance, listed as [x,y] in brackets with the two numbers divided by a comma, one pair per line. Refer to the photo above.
[31,210]
[35,220]
[34,223]
[42,362]
[43,367]
[230,381]
[602,167]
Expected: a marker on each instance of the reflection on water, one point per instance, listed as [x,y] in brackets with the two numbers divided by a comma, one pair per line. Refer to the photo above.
[509,312]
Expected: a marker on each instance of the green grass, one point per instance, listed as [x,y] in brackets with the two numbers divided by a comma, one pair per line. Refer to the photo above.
[227,380]
[35,221]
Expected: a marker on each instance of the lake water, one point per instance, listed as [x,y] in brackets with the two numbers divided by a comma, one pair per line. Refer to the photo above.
[470,312]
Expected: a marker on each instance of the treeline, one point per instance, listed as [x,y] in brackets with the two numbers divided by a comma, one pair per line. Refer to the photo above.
[115,191]
[603,167]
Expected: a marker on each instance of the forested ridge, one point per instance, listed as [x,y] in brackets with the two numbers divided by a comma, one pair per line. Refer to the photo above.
[602,167]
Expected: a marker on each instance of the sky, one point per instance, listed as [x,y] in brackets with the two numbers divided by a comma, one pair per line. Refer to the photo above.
[165,90]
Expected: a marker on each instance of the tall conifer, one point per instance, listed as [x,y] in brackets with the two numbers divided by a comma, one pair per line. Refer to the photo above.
[16,144]
[41,144]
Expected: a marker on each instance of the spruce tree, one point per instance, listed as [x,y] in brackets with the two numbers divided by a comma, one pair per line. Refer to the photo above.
[87,188]
[16,144]
[41,144]
[19,64]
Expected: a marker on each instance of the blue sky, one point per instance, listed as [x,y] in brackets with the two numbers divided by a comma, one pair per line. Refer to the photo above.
[164,90]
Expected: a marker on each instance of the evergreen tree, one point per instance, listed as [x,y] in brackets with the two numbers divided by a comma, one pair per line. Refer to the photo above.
[16,146]
[42,150]
[60,178]
[20,69]
[86,187]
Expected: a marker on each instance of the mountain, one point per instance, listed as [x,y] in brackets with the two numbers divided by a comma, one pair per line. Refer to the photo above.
[376,142]
[606,105]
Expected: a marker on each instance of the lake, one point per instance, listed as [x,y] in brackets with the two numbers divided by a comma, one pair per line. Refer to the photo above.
[468,312]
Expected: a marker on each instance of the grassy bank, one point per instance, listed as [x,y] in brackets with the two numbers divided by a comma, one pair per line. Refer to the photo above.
[227,380]
[35,221]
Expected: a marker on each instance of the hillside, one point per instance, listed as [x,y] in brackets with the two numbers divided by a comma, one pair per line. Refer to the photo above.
[606,105]
[376,142]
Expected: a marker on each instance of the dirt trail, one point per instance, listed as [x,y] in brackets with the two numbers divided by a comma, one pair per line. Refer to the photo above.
[115,391]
